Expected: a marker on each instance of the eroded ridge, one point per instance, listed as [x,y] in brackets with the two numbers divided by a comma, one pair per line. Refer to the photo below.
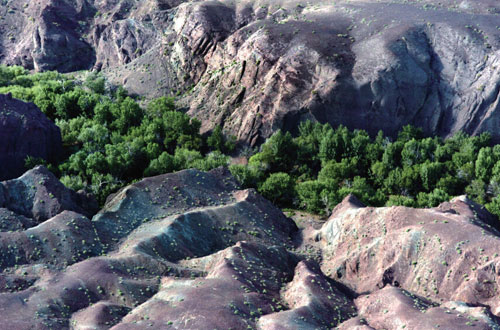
[191,250]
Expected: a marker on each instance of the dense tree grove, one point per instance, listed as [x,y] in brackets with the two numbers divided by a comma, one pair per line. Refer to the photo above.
[318,168]
[109,139]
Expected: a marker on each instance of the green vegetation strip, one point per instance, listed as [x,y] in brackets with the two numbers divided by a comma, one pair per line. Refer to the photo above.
[110,141]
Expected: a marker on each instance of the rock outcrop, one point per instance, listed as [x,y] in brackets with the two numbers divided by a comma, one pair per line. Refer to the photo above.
[255,67]
[445,256]
[74,35]
[39,195]
[25,131]
[151,242]
[370,65]
[394,308]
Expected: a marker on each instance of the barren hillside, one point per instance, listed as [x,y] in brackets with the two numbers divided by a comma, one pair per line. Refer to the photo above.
[189,250]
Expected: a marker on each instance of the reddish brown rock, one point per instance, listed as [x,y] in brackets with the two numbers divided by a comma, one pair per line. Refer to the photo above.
[99,316]
[444,253]
[242,284]
[67,238]
[11,221]
[190,250]
[314,300]
[393,308]
[258,66]
[191,214]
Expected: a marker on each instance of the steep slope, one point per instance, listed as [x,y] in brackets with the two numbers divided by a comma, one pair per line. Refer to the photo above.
[256,66]
[182,216]
[394,308]
[39,195]
[68,35]
[442,254]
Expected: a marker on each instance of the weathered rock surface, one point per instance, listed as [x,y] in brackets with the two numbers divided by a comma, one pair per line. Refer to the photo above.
[190,250]
[192,225]
[68,35]
[39,195]
[314,300]
[393,308]
[256,66]
[448,253]
[24,131]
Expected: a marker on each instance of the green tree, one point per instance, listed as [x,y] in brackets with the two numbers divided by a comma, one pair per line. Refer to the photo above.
[338,171]
[363,190]
[392,154]
[484,164]
[249,176]
[163,164]
[309,193]
[104,112]
[399,200]
[180,130]
[212,160]
[494,206]
[278,188]
[129,114]
[96,83]
[431,173]
[160,106]
[217,141]
[278,153]
[432,199]
[452,185]
[409,132]
[476,190]
[66,105]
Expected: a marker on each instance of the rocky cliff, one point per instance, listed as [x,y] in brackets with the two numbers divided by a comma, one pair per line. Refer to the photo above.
[256,66]
[191,250]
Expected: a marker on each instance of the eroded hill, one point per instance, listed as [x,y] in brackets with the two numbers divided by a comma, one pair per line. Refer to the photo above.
[190,250]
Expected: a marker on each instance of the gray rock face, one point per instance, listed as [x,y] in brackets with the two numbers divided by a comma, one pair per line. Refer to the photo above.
[349,64]
[121,42]
[24,131]
[46,35]
[76,35]
[365,64]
